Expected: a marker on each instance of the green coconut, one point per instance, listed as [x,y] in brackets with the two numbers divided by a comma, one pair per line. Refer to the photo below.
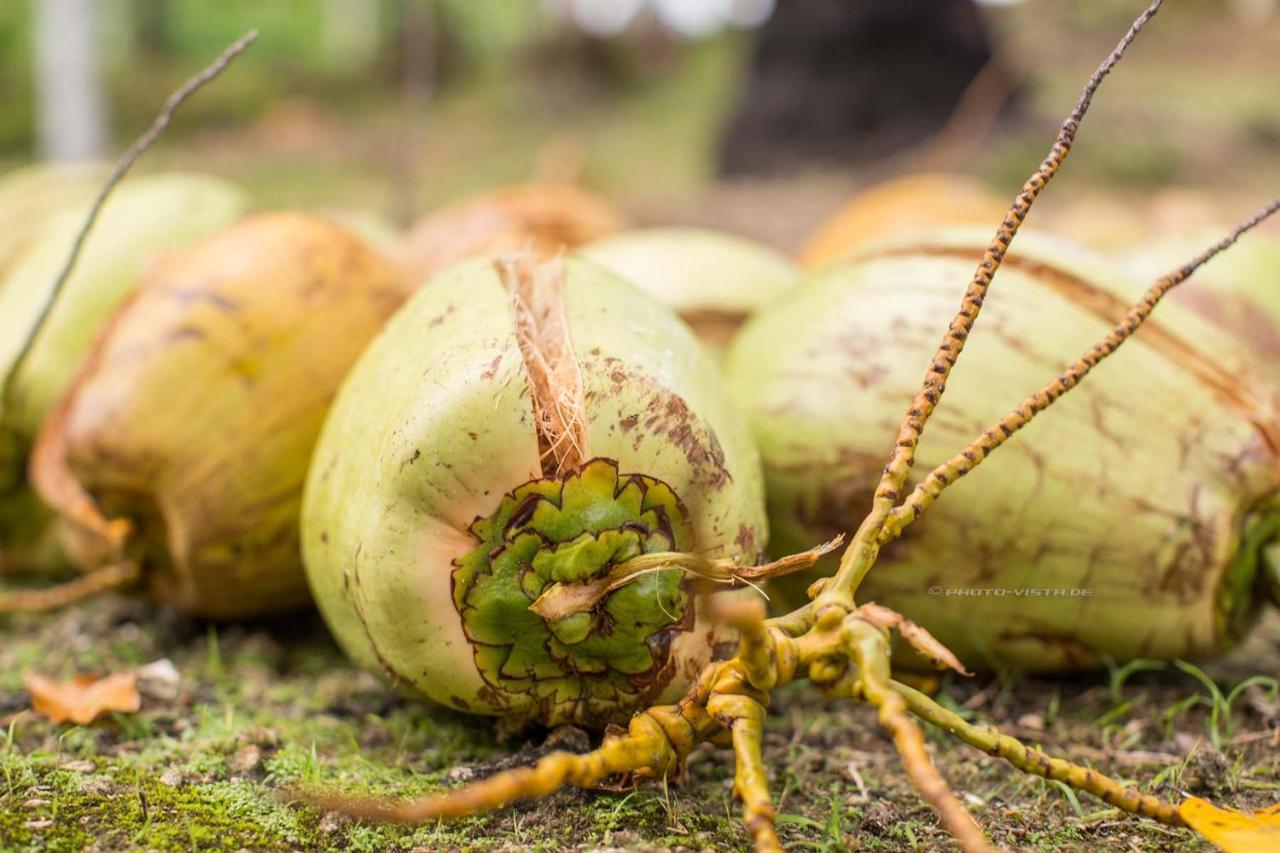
[1132,521]
[31,195]
[713,280]
[144,218]
[517,434]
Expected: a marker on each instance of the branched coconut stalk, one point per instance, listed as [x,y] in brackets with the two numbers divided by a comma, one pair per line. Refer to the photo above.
[998,433]
[120,573]
[843,648]
[861,554]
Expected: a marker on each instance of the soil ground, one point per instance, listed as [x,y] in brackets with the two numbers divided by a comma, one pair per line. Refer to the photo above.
[260,709]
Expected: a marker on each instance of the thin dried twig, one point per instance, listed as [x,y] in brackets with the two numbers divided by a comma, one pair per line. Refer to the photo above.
[122,167]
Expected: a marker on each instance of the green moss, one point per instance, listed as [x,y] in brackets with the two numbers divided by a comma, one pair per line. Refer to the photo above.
[277,708]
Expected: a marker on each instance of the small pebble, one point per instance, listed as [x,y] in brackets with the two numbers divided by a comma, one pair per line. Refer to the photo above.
[97,786]
[246,760]
[1035,722]
[82,766]
[461,773]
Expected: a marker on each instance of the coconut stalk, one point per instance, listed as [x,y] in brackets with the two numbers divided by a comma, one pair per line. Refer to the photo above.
[180,449]
[843,647]
[542,219]
[713,280]
[1242,292]
[1044,561]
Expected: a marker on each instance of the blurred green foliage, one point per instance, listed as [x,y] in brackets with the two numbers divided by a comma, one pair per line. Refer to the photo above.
[149,46]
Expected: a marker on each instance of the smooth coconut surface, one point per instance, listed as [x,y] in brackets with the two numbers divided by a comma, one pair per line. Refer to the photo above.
[1127,521]
[542,219]
[432,476]
[901,205]
[31,195]
[712,279]
[143,219]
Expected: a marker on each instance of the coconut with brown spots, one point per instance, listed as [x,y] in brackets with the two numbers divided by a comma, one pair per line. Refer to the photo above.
[1136,521]
[517,491]
[146,218]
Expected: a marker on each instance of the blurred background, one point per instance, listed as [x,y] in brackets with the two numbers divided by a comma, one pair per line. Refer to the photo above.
[753,115]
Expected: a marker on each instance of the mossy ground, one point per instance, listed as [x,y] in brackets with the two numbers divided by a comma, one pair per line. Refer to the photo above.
[263,708]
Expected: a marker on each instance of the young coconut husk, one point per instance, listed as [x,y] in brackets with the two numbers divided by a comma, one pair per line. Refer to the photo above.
[30,196]
[843,647]
[543,219]
[713,280]
[902,204]
[546,488]
[148,217]
[181,447]
[1131,523]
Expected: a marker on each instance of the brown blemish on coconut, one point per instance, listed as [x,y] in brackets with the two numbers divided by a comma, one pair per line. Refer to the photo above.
[669,416]
[746,540]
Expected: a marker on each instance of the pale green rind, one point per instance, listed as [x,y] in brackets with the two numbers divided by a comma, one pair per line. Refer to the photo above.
[144,217]
[1134,486]
[32,194]
[1250,267]
[1239,289]
[435,425]
[690,269]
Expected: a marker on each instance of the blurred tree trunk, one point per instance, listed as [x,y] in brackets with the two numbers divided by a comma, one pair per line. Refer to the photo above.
[151,25]
[851,82]
[418,54]
[71,117]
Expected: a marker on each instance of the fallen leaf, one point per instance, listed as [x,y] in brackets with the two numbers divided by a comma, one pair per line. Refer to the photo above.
[1233,831]
[83,699]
